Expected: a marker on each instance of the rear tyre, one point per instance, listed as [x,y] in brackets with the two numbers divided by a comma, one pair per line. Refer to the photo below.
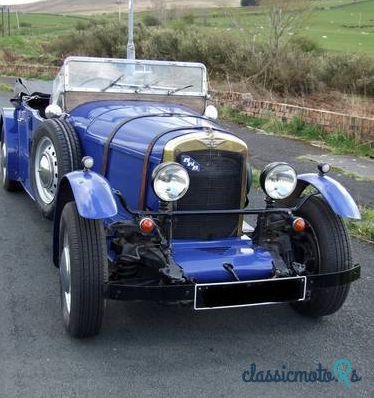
[7,183]
[55,152]
[324,247]
[83,266]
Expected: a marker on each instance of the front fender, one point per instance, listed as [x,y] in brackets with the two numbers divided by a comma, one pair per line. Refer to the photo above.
[334,193]
[92,194]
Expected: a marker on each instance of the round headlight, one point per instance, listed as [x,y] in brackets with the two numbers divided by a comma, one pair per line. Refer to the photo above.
[170,181]
[278,180]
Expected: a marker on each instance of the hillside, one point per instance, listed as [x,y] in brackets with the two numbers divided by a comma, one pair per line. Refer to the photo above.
[97,6]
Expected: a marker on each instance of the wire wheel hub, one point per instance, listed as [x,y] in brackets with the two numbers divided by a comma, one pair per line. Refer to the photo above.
[46,170]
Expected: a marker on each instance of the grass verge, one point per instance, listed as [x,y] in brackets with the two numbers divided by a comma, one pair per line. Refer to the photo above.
[5,88]
[337,142]
[363,229]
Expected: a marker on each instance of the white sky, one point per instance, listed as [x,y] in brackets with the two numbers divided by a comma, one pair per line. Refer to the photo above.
[16,2]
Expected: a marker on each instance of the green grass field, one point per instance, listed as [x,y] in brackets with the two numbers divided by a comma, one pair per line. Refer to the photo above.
[36,30]
[337,25]
[347,28]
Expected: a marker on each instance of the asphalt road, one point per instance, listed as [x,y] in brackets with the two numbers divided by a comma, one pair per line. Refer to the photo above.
[157,351]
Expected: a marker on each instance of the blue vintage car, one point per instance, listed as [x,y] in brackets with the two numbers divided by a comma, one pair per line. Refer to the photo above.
[148,193]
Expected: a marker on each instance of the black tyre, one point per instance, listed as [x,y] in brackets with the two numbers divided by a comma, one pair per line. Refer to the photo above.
[8,184]
[324,247]
[83,269]
[55,152]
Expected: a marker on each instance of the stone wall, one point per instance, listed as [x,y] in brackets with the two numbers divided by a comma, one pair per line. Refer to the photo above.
[361,128]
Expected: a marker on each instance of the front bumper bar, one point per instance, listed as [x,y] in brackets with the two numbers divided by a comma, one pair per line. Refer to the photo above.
[234,294]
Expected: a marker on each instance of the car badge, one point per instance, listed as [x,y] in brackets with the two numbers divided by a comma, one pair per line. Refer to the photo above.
[211,141]
[190,163]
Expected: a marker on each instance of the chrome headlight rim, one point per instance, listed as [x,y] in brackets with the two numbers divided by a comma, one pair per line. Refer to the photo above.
[267,172]
[162,167]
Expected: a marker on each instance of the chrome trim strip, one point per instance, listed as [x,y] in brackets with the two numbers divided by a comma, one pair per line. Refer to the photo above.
[202,140]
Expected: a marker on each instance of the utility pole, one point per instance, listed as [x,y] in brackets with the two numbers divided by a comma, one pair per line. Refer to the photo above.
[2,22]
[8,21]
[17,19]
[130,43]
[119,2]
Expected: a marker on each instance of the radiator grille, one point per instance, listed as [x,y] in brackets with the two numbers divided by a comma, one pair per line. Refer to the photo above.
[217,185]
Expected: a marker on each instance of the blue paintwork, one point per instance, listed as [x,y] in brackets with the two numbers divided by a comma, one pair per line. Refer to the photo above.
[204,260]
[19,127]
[93,123]
[92,194]
[9,124]
[335,194]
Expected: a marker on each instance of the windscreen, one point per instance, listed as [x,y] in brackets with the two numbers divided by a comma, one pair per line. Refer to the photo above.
[144,77]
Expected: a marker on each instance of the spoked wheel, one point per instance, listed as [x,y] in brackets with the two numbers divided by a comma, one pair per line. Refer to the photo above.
[83,269]
[323,247]
[54,153]
[8,184]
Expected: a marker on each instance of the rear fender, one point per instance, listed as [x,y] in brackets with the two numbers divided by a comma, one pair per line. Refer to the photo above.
[9,134]
[334,193]
[92,195]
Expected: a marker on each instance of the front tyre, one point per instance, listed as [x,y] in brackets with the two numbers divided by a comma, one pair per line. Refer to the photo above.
[324,247]
[83,266]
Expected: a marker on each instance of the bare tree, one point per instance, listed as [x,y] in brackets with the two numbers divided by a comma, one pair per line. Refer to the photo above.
[119,4]
[160,9]
[285,18]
